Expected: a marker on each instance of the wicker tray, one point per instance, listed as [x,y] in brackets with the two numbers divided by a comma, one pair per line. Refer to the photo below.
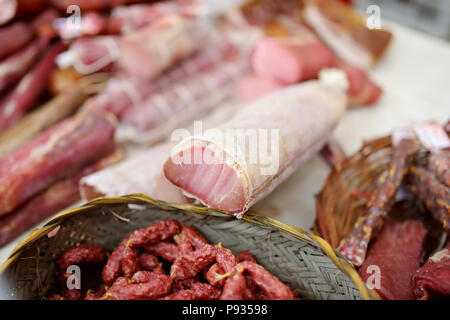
[303,261]
[341,200]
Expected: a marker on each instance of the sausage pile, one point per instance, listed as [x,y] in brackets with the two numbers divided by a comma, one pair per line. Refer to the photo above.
[169,261]
[398,244]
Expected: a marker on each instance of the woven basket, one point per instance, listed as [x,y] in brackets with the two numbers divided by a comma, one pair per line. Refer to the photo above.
[303,261]
[341,200]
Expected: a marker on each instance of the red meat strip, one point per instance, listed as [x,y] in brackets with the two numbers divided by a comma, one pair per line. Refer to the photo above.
[433,278]
[14,105]
[53,155]
[396,251]
[57,197]
[14,37]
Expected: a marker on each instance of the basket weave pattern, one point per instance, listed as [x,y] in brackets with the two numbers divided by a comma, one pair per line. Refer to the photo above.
[342,199]
[303,261]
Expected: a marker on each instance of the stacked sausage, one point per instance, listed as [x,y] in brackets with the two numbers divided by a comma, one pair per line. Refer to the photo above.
[397,245]
[169,261]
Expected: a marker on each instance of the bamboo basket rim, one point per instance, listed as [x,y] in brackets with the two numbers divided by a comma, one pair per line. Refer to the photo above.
[139,199]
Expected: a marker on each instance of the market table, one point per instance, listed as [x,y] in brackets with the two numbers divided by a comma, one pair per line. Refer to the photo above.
[415,78]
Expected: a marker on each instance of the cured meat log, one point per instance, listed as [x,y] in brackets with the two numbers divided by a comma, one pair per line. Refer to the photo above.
[123,93]
[346,32]
[57,197]
[16,65]
[393,258]
[155,118]
[14,105]
[433,278]
[291,59]
[14,37]
[153,49]
[230,174]
[56,153]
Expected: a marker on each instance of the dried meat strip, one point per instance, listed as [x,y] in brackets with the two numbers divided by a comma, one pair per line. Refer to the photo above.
[16,65]
[55,154]
[17,102]
[57,197]
[439,164]
[354,246]
[393,258]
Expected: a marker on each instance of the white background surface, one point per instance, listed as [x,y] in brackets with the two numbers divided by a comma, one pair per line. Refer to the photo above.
[415,77]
